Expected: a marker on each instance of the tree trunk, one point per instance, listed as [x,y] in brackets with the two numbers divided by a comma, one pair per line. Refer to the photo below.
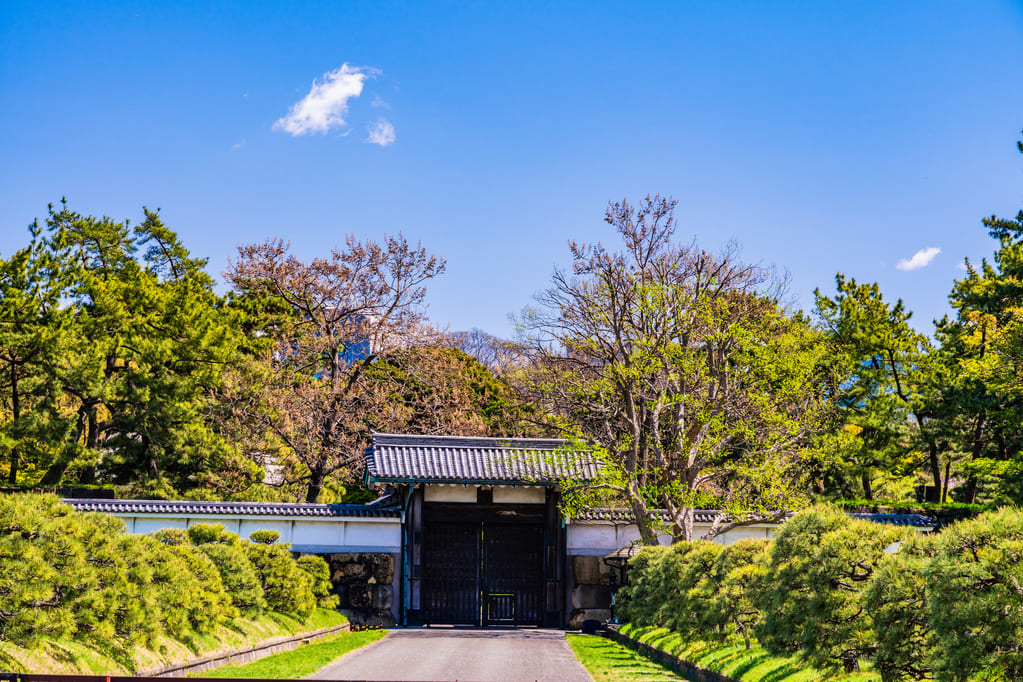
[316,480]
[683,531]
[948,475]
[932,455]
[868,492]
[971,490]
[87,476]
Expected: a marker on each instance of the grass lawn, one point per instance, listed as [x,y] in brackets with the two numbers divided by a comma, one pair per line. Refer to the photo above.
[71,657]
[608,661]
[302,661]
[732,659]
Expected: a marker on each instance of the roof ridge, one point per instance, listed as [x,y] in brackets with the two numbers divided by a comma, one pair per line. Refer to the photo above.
[496,441]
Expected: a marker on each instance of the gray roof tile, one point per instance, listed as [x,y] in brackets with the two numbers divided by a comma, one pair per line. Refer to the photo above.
[231,508]
[394,457]
[917,520]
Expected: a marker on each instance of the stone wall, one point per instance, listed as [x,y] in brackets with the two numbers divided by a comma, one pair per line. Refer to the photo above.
[591,590]
[365,584]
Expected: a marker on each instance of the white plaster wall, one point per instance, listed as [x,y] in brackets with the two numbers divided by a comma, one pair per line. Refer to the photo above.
[445,492]
[364,534]
[318,533]
[519,494]
[142,526]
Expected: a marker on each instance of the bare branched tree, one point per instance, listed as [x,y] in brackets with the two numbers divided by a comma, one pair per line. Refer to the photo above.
[682,369]
[310,391]
[496,354]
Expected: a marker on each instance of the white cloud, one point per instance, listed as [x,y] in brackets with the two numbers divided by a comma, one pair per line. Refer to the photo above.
[379,103]
[239,144]
[381,133]
[326,105]
[920,259]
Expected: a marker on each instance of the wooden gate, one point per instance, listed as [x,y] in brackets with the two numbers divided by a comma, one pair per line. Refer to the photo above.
[482,573]
[451,573]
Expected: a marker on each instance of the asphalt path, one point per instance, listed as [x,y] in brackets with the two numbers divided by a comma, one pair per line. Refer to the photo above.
[445,654]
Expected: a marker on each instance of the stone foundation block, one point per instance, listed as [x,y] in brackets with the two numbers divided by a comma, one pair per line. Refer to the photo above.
[590,570]
[591,597]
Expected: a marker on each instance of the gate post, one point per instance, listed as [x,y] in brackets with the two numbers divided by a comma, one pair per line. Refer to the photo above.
[553,562]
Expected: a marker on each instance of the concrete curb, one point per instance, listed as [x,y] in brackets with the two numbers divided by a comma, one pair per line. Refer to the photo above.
[691,671]
[248,655]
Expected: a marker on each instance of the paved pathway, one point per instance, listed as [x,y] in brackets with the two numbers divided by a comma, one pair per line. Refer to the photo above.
[444,654]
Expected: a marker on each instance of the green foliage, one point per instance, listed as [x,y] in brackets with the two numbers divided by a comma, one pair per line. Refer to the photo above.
[733,587]
[238,575]
[171,536]
[819,567]
[112,340]
[264,537]
[319,574]
[896,602]
[68,575]
[890,382]
[975,598]
[643,600]
[211,533]
[791,558]
[691,562]
[909,506]
[286,587]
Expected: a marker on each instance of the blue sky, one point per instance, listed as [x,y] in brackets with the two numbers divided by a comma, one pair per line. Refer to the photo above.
[823,137]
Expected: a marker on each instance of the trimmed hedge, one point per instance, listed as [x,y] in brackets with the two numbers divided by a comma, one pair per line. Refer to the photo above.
[841,592]
[74,576]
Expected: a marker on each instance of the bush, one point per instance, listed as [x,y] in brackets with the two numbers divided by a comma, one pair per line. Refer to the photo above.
[265,537]
[819,567]
[286,588]
[692,562]
[212,533]
[44,568]
[790,558]
[975,598]
[896,601]
[735,583]
[319,576]
[190,592]
[238,575]
[642,601]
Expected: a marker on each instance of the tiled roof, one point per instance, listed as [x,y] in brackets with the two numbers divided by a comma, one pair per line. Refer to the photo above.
[231,508]
[622,515]
[394,457]
[917,520]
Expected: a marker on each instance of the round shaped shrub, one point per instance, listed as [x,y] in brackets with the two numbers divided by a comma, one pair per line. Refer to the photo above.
[975,597]
[265,537]
[319,575]
[238,576]
[286,588]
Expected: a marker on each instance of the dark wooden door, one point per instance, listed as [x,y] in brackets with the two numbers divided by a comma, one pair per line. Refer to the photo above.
[451,573]
[482,573]
[512,574]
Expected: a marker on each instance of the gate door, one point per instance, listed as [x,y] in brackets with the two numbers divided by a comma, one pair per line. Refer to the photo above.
[512,574]
[451,573]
